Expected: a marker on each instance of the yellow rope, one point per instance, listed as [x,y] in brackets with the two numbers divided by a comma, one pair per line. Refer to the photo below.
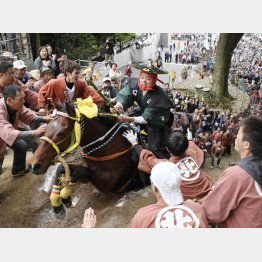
[65,179]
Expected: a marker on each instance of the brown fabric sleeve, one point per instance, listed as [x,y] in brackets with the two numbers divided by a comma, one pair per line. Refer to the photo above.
[196,153]
[147,161]
[46,91]
[222,199]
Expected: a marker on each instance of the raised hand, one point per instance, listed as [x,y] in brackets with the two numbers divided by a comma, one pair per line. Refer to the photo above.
[89,219]
[131,137]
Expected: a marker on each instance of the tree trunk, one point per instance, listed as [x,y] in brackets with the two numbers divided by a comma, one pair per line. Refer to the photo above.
[225,47]
[37,41]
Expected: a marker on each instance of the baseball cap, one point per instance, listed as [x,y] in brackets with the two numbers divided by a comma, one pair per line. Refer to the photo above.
[45,69]
[107,79]
[166,177]
[19,64]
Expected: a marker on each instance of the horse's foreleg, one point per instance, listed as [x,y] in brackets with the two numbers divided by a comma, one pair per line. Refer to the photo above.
[65,196]
[61,196]
[55,195]
[80,173]
[56,202]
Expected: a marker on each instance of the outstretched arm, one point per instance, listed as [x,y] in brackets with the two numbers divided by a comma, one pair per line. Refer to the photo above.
[146,158]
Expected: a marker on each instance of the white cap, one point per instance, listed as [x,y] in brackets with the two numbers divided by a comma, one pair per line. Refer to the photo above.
[19,64]
[107,79]
[166,177]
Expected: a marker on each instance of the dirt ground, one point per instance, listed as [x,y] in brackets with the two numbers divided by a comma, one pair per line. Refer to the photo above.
[26,200]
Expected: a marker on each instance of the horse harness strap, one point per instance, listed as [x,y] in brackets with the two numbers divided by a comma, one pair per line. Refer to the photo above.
[54,145]
[105,158]
[102,137]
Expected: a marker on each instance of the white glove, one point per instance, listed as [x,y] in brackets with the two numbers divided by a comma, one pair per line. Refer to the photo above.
[130,136]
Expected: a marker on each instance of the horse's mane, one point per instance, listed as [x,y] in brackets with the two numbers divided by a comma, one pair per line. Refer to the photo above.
[108,119]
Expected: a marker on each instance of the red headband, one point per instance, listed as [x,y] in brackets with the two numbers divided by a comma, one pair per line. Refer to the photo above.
[147,88]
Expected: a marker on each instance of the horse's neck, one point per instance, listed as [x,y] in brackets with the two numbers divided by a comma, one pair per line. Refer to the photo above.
[93,129]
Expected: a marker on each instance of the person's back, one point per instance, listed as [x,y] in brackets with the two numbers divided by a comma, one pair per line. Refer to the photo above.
[187,215]
[170,211]
[236,200]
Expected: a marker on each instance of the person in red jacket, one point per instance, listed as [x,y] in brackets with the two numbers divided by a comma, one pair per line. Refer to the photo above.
[227,141]
[217,150]
[67,88]
[128,71]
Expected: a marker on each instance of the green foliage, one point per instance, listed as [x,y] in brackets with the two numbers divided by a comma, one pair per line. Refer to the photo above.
[78,45]
[124,37]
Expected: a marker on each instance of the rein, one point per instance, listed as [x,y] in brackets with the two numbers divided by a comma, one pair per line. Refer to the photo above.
[105,158]
[73,139]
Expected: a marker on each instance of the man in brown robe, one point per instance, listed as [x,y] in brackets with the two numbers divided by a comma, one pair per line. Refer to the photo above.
[12,110]
[170,211]
[195,183]
[236,200]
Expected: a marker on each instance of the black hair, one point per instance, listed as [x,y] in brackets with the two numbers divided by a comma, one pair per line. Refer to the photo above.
[251,127]
[4,65]
[70,66]
[177,143]
[11,91]
[41,48]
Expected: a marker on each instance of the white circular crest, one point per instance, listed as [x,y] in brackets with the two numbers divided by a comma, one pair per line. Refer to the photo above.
[176,217]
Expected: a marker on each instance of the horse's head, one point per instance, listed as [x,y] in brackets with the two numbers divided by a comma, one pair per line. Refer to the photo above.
[56,140]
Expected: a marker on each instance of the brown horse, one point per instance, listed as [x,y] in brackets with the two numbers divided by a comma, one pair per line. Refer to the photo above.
[106,158]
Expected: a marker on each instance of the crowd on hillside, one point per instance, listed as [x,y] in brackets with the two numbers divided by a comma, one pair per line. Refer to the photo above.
[246,63]
[188,48]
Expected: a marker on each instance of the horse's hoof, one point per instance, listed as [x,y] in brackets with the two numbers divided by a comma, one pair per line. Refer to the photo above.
[67,202]
[59,212]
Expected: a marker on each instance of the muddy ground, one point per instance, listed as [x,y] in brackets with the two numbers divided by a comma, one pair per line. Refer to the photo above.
[26,200]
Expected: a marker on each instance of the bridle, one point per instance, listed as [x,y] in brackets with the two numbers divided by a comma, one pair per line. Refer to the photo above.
[73,140]
[55,145]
